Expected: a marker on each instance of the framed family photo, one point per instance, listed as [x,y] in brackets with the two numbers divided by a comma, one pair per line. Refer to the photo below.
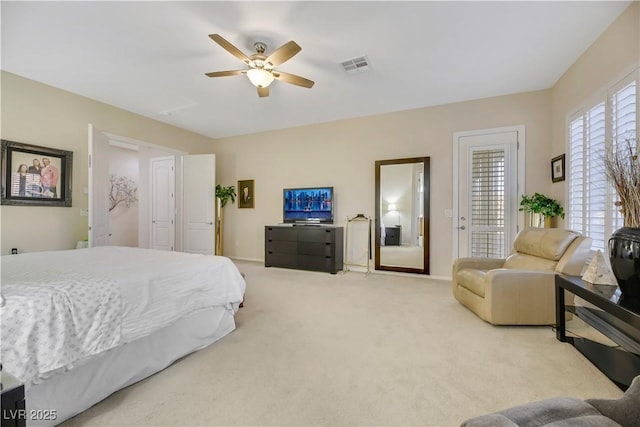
[557,168]
[35,176]
[245,194]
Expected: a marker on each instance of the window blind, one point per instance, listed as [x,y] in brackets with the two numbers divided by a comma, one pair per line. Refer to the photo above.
[591,198]
[487,203]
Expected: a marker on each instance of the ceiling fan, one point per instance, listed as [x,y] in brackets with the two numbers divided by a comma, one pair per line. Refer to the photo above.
[261,71]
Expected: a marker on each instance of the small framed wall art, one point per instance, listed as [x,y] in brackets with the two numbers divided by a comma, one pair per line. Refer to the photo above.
[246,196]
[557,168]
[35,176]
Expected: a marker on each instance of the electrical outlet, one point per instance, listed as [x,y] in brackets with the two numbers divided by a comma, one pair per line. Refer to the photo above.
[14,251]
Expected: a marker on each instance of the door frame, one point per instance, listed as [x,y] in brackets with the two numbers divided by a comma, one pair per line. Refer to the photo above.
[126,142]
[520,185]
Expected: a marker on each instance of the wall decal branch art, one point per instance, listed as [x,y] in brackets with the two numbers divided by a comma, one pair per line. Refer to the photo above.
[123,190]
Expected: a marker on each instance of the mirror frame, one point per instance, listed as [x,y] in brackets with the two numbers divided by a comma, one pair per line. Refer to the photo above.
[426,199]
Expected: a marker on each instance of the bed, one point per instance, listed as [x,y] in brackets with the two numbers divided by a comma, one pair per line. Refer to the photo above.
[78,325]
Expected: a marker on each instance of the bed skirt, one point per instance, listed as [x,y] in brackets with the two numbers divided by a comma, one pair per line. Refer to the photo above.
[95,378]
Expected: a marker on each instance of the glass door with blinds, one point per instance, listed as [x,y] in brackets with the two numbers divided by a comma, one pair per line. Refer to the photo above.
[487,194]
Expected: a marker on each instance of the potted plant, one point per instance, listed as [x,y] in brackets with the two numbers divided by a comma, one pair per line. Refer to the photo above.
[541,209]
[223,195]
[622,168]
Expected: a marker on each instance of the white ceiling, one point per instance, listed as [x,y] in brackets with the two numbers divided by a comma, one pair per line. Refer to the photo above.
[150,57]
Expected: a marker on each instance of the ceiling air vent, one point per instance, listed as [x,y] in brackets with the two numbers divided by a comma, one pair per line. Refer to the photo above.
[356,65]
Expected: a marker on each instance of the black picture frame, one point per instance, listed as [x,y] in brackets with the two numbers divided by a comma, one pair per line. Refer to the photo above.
[246,197]
[557,168]
[46,185]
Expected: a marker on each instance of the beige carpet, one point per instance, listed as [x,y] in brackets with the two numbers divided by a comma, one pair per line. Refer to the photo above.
[314,349]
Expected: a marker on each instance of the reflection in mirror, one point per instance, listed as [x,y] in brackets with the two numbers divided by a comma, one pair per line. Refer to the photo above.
[402,217]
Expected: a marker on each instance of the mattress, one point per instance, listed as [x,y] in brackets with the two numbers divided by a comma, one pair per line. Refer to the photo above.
[76,390]
[62,307]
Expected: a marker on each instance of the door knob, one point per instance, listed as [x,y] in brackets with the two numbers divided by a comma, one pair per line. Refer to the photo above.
[462,227]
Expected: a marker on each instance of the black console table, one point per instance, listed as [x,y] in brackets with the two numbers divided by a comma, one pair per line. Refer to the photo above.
[13,403]
[304,247]
[618,354]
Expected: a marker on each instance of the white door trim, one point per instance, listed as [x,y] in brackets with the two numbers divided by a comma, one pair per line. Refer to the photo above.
[521,131]
[125,140]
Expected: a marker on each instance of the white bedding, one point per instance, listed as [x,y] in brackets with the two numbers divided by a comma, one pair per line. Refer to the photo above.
[91,300]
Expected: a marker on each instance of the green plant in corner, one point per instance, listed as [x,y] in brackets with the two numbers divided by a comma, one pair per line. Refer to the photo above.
[541,204]
[225,194]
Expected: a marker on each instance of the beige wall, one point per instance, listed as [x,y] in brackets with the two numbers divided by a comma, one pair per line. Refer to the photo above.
[342,154]
[38,114]
[616,52]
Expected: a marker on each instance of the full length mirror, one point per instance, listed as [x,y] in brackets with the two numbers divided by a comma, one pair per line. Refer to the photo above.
[402,215]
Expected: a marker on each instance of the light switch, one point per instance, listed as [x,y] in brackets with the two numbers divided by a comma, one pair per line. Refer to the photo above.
[84,211]
[448,213]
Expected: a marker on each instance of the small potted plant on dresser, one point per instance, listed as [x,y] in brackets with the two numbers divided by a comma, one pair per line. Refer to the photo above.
[541,210]
[622,167]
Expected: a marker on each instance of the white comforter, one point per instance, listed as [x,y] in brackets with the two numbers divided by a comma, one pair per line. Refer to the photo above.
[63,306]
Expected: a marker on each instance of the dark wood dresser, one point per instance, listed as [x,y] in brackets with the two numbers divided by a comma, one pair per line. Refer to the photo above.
[304,247]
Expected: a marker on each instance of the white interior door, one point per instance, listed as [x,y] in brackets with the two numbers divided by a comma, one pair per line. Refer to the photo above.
[98,188]
[199,184]
[163,208]
[488,171]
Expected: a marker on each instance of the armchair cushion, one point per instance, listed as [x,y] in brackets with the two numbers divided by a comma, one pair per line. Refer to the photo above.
[626,410]
[548,243]
[568,412]
[520,261]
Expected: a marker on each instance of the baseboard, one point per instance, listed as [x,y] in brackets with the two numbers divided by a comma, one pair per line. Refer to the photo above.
[362,269]
[235,258]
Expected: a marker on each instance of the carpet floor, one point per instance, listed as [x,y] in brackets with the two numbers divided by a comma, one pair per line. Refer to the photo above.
[314,349]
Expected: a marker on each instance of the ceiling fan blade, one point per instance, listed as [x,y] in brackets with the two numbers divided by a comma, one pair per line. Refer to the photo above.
[283,53]
[230,48]
[263,91]
[293,79]
[225,73]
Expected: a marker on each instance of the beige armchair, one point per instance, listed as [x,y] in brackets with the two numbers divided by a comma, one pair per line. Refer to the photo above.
[520,290]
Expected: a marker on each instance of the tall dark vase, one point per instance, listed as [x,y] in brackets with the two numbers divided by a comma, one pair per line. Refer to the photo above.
[624,253]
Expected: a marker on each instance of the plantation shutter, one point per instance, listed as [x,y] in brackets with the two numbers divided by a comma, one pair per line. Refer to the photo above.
[595,179]
[624,125]
[591,198]
[487,203]
[576,182]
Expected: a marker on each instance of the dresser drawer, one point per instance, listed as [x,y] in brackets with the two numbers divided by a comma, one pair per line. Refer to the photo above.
[315,249]
[317,263]
[313,234]
[282,247]
[282,233]
[280,260]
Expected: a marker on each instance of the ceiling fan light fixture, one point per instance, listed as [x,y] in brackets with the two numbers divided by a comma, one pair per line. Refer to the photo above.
[260,77]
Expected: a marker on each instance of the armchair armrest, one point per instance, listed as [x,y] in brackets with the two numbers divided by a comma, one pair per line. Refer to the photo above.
[474,263]
[525,295]
[477,263]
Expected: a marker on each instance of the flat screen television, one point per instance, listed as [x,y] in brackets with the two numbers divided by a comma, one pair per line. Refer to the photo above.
[308,205]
